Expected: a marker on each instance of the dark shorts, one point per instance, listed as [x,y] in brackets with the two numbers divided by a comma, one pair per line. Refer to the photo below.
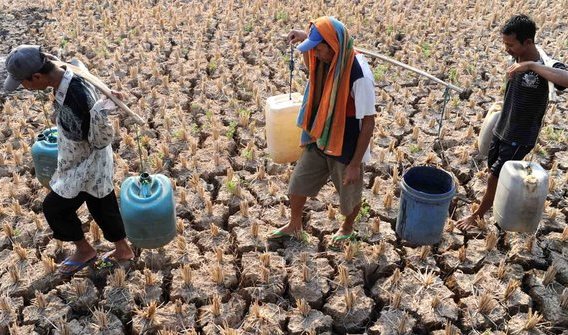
[500,152]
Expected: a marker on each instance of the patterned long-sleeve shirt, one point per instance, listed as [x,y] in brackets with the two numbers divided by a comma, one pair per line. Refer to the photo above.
[84,161]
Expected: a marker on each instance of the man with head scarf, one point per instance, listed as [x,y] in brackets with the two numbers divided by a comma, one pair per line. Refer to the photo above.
[337,118]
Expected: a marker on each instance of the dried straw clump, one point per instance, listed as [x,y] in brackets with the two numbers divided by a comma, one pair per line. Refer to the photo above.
[219,254]
[118,278]
[49,265]
[187,275]
[395,300]
[306,273]
[218,274]
[40,300]
[501,270]
[215,307]
[376,225]
[150,278]
[303,307]
[486,303]
[350,250]
[376,185]
[349,298]
[462,254]
[564,299]
[14,272]
[8,231]
[214,230]
[529,245]
[100,318]
[427,278]
[331,212]
[549,275]
[21,252]
[282,210]
[532,321]
[436,302]
[402,322]
[149,314]
[343,274]
[512,286]
[424,252]
[491,241]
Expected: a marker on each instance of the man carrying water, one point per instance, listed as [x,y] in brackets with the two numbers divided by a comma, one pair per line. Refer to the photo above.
[526,100]
[337,118]
[84,163]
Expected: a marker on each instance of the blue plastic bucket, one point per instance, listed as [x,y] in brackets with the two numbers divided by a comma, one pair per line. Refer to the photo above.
[424,203]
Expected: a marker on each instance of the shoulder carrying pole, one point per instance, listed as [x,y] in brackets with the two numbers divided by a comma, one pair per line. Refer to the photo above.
[102,87]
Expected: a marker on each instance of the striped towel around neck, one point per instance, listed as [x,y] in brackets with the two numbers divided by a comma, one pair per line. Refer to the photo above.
[323,121]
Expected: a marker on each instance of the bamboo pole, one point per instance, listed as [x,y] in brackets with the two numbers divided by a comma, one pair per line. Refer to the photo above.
[464,93]
[102,87]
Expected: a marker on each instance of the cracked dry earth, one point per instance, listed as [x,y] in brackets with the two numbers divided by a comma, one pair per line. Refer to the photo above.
[200,73]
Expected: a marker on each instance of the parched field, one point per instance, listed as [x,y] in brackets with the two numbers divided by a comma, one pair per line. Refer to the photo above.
[200,73]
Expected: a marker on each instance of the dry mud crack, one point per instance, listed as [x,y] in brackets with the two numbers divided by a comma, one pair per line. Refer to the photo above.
[200,72]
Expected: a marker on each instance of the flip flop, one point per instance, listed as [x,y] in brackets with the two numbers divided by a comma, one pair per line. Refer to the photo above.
[278,234]
[107,261]
[338,238]
[76,266]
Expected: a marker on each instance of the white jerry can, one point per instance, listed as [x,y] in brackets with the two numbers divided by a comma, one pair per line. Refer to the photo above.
[282,133]
[486,133]
[520,196]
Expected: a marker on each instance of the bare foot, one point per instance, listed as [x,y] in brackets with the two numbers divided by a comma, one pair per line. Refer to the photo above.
[468,222]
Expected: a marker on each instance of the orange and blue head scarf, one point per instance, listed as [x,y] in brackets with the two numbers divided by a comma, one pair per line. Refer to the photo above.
[323,121]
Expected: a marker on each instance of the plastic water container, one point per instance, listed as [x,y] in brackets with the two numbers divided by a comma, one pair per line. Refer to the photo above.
[424,203]
[486,133]
[44,155]
[147,207]
[520,196]
[282,133]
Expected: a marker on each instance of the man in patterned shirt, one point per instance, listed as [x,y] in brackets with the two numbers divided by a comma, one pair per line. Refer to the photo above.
[84,163]
[526,100]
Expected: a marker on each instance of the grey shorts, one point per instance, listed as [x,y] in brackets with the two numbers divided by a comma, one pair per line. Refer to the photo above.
[313,171]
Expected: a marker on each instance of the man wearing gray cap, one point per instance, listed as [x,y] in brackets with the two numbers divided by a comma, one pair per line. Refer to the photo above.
[84,163]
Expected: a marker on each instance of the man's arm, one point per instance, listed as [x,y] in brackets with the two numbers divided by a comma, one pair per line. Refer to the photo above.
[354,167]
[556,75]
[298,36]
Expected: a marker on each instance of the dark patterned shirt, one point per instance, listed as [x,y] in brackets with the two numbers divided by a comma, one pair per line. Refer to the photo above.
[84,160]
[526,99]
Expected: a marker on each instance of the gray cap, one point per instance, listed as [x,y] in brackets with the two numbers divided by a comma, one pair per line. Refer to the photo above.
[21,64]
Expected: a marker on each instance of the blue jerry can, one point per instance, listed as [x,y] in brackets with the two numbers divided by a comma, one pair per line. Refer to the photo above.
[148,210]
[44,154]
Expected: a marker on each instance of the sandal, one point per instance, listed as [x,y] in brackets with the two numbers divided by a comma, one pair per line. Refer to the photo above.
[339,238]
[107,261]
[278,234]
[75,266]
